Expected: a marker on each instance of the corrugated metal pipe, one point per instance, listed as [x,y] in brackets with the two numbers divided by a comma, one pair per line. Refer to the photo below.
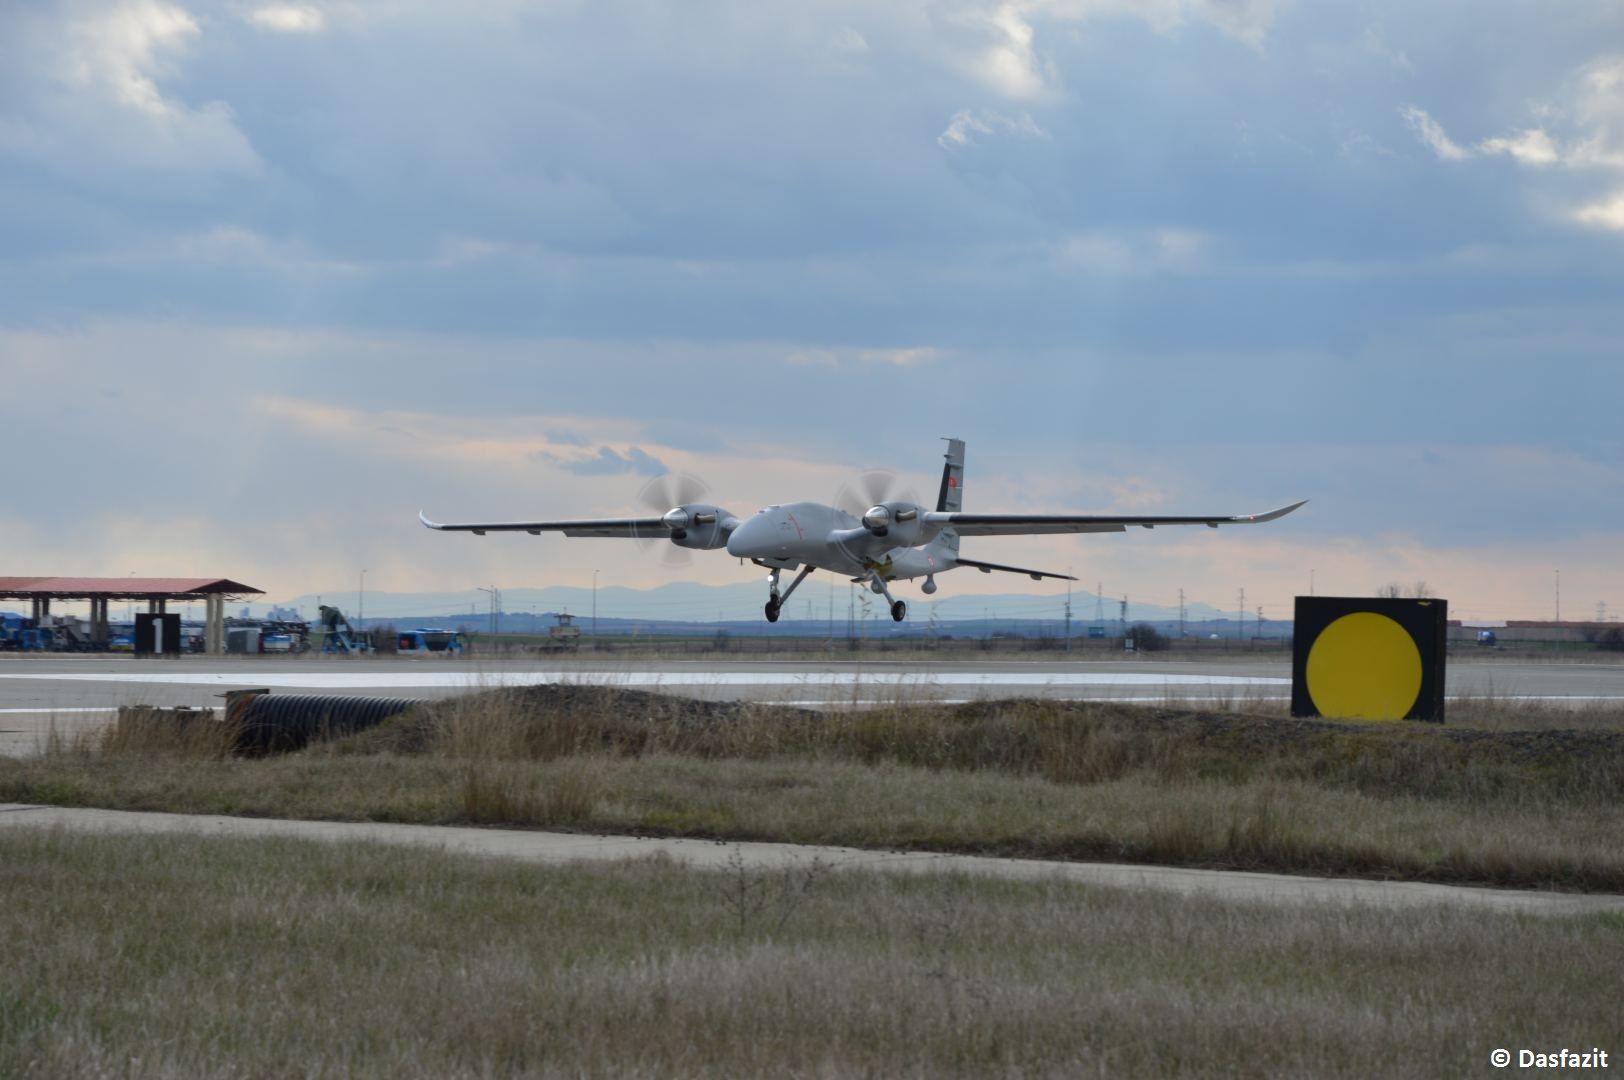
[268,724]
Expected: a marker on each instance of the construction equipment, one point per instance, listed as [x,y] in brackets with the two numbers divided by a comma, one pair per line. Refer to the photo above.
[338,636]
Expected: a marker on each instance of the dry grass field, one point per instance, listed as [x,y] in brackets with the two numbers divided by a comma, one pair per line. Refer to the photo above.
[1488,800]
[155,957]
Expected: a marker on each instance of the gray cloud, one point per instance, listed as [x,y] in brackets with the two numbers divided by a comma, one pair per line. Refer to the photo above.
[607,462]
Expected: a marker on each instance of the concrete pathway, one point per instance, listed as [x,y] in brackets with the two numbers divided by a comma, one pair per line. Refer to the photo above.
[551,847]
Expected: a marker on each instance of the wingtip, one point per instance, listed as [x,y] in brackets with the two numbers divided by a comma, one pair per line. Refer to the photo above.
[1272,515]
[424,518]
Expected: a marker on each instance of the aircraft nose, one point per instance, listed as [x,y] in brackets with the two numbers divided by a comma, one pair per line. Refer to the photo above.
[751,538]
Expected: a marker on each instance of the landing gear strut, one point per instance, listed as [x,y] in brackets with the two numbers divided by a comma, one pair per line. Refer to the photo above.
[775,602]
[899,610]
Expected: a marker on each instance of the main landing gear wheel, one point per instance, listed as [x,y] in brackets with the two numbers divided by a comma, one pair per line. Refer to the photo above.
[899,611]
[772,610]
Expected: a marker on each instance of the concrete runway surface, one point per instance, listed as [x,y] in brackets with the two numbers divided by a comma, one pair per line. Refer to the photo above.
[548,847]
[73,693]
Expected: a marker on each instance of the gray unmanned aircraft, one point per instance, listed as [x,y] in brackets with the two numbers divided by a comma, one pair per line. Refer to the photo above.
[894,539]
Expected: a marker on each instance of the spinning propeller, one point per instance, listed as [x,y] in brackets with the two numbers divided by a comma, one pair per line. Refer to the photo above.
[869,489]
[668,496]
[864,496]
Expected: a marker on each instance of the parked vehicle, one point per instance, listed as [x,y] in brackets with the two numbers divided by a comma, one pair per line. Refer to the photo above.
[428,640]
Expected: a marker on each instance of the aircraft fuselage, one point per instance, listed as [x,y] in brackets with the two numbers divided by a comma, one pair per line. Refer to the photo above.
[812,534]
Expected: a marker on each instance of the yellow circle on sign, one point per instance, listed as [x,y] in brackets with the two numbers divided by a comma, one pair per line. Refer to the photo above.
[1364,666]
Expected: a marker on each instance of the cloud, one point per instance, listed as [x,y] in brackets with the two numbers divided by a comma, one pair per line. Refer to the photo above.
[287,19]
[1009,64]
[92,94]
[1605,213]
[1008,60]
[123,49]
[1594,141]
[967,124]
[1532,147]
[1432,133]
[607,462]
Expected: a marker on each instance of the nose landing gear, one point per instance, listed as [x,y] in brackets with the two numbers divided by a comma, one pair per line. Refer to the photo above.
[775,602]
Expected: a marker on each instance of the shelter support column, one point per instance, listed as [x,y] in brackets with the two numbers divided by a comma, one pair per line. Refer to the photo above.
[214,635]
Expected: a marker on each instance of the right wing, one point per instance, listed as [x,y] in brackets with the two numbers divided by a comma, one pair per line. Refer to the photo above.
[651,528]
[1030,524]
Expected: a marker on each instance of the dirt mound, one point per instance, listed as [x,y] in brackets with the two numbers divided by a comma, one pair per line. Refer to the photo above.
[1066,742]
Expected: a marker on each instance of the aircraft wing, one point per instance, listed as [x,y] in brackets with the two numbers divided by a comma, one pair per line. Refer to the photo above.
[629,528]
[1028,524]
[989,567]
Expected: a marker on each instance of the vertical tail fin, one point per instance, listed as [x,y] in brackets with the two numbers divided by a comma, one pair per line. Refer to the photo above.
[951,496]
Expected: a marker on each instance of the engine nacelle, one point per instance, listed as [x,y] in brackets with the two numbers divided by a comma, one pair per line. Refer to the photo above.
[698,526]
[899,521]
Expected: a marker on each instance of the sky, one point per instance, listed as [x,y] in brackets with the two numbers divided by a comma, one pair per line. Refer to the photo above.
[273,277]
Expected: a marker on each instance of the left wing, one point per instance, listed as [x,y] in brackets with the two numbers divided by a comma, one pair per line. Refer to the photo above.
[629,528]
[1028,524]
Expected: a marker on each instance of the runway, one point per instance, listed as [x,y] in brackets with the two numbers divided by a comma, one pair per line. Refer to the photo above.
[70,693]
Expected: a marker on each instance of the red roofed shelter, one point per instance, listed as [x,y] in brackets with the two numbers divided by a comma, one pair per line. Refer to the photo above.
[157,592]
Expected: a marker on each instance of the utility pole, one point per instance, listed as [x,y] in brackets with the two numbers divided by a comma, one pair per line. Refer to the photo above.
[1069,617]
[360,603]
[1259,630]
[1241,615]
[1099,602]
[594,609]
[1181,613]
[496,606]
[1124,617]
